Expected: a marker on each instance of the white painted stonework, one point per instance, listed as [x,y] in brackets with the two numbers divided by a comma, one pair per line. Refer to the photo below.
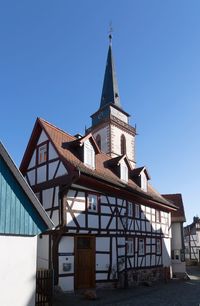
[118,114]
[116,134]
[18,270]
[104,134]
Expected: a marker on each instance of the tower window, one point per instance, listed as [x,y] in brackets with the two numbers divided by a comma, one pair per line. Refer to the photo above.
[123,145]
[98,141]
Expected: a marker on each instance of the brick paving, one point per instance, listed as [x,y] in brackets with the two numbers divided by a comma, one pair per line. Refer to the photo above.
[173,293]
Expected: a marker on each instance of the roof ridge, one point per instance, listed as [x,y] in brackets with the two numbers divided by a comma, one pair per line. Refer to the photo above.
[57,128]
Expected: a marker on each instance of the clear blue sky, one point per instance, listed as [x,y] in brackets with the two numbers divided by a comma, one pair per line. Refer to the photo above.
[52,61]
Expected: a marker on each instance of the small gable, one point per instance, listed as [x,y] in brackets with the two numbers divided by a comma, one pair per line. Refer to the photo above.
[20,211]
[141,176]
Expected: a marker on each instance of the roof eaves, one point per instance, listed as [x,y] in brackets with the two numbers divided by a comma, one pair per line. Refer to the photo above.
[24,185]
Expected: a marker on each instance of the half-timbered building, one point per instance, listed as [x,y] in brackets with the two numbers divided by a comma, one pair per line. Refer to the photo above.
[111,224]
[192,241]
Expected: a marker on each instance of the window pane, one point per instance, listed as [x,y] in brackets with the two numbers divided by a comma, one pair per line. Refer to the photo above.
[42,154]
[83,243]
[92,202]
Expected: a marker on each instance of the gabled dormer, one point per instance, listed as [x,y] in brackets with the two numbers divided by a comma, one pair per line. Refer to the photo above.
[87,150]
[141,176]
[121,166]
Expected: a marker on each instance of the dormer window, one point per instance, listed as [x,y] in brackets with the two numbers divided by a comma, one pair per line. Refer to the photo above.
[123,145]
[89,154]
[98,141]
[143,182]
[42,154]
[124,172]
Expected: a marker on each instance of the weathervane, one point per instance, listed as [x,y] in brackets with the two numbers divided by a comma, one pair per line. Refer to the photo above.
[110,32]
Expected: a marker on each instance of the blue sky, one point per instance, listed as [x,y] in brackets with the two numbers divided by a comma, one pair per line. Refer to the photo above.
[52,62]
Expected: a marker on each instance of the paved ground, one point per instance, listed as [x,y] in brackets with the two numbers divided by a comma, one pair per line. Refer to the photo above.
[173,293]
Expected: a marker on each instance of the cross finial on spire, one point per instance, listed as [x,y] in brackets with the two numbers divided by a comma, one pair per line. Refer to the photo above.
[110,32]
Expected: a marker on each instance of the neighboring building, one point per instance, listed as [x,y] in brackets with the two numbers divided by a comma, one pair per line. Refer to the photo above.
[22,218]
[192,241]
[177,242]
[110,222]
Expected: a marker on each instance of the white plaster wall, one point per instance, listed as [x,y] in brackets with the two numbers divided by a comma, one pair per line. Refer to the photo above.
[43,252]
[61,170]
[17,270]
[52,152]
[104,132]
[47,198]
[55,217]
[66,245]
[33,160]
[52,169]
[41,174]
[166,251]
[93,221]
[43,137]
[116,142]
[176,236]
[31,177]
[178,267]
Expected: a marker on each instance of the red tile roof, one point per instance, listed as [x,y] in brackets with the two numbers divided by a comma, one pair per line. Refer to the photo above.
[63,143]
[176,199]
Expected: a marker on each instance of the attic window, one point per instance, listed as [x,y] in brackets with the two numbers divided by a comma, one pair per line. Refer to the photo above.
[143,182]
[124,173]
[89,154]
[42,154]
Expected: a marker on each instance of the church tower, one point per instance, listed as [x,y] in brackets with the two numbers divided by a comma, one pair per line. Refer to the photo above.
[110,124]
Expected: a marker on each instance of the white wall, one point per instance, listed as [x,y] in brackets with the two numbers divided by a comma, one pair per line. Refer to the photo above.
[176,236]
[17,270]
[43,252]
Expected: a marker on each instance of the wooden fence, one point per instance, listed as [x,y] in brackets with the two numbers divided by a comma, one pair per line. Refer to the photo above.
[44,288]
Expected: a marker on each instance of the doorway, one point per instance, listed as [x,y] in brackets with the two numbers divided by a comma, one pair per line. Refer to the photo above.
[84,262]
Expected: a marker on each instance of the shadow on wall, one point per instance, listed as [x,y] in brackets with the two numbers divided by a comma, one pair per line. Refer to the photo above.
[150,255]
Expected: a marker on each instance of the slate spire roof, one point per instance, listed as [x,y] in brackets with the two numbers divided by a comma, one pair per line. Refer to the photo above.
[110,91]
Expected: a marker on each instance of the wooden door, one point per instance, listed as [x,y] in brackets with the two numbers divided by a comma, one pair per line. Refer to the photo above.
[84,262]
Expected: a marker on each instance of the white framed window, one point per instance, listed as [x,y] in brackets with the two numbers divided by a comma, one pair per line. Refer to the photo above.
[137,211]
[89,154]
[124,172]
[143,182]
[158,246]
[92,202]
[42,154]
[130,209]
[141,246]
[130,246]
[157,216]
[175,254]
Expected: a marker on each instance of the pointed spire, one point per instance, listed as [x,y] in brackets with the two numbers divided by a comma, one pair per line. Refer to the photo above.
[110,92]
